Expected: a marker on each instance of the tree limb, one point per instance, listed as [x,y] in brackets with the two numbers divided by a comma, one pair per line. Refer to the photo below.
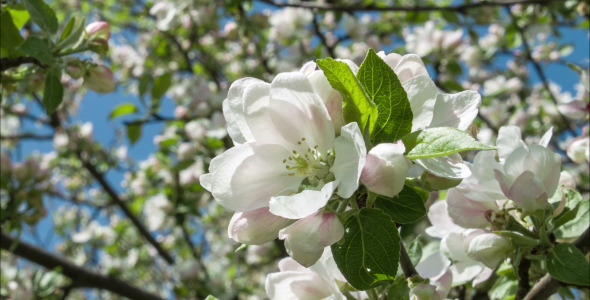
[461,8]
[547,286]
[128,213]
[81,277]
[8,63]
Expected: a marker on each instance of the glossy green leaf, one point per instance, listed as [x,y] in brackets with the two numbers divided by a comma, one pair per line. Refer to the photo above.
[42,15]
[406,207]
[161,85]
[567,263]
[440,141]
[122,110]
[357,106]
[39,49]
[19,15]
[578,224]
[368,254]
[54,91]
[394,118]
[10,37]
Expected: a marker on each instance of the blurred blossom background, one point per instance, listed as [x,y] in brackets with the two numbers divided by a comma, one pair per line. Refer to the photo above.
[144,121]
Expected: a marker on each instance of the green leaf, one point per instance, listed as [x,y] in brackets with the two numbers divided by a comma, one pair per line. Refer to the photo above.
[415,251]
[123,109]
[576,227]
[133,132]
[42,15]
[73,33]
[19,15]
[567,263]
[572,204]
[399,290]
[39,49]
[161,85]
[368,254]
[440,141]
[54,91]
[504,288]
[406,207]
[10,38]
[357,107]
[68,29]
[383,88]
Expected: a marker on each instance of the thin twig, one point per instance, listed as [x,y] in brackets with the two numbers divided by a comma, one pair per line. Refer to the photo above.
[128,213]
[538,69]
[27,136]
[406,262]
[81,277]
[461,8]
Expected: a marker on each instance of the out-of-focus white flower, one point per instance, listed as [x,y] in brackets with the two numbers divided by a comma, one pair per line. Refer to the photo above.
[498,84]
[320,281]
[155,211]
[566,180]
[186,151]
[287,23]
[385,169]
[489,248]
[436,268]
[579,150]
[165,13]
[428,39]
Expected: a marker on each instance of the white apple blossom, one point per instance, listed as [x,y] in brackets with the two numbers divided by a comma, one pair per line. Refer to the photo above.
[287,156]
[436,268]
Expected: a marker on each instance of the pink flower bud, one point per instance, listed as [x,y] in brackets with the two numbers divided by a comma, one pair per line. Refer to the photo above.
[306,239]
[75,69]
[99,46]
[468,213]
[99,78]
[385,169]
[98,31]
[256,227]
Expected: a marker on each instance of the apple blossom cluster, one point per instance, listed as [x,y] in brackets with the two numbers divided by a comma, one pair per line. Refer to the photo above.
[317,150]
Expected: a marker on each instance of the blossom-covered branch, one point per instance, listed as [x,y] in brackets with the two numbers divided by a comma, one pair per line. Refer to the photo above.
[80,276]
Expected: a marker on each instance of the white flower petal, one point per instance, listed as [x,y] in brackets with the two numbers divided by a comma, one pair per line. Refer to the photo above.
[251,176]
[350,159]
[468,213]
[297,112]
[433,266]
[465,271]
[302,204]
[233,111]
[256,227]
[442,224]
[421,92]
[546,138]
[306,239]
[509,139]
[482,184]
[292,285]
[385,169]
[410,66]
[456,110]
[450,166]
[256,112]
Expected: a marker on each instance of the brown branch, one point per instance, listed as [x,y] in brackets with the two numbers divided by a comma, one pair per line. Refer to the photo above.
[460,8]
[538,69]
[523,278]
[81,277]
[8,63]
[406,262]
[26,136]
[128,213]
[547,286]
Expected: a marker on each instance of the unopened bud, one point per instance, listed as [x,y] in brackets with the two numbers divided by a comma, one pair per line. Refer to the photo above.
[75,69]
[98,31]
[99,78]
[99,46]
[434,183]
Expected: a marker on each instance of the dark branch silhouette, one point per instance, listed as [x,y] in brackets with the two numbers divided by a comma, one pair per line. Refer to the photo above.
[80,276]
